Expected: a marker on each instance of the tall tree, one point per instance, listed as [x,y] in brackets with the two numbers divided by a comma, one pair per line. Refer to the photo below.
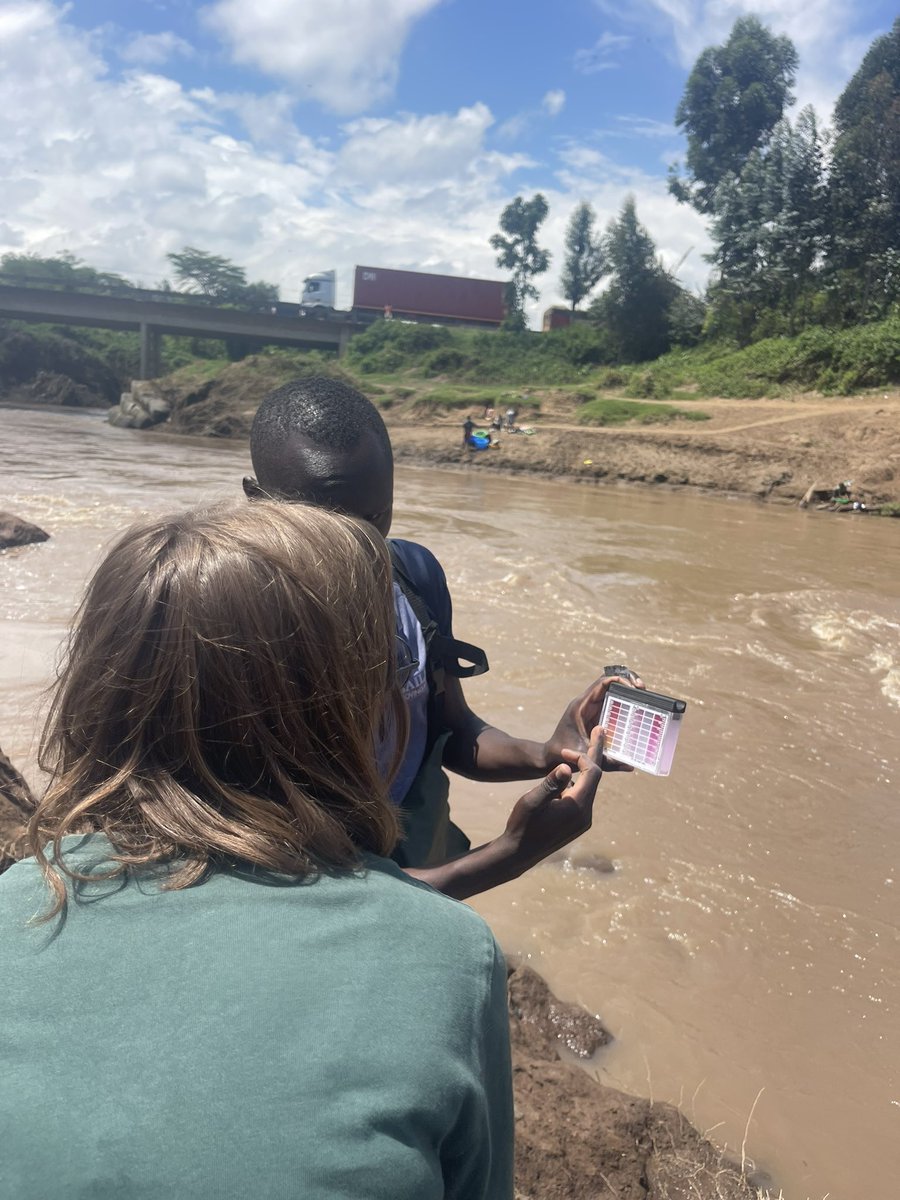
[221,280]
[734,97]
[796,210]
[207,274]
[518,252]
[585,263]
[635,306]
[864,244]
[768,231]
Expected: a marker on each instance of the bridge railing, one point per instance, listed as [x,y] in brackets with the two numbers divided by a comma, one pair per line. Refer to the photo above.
[129,292]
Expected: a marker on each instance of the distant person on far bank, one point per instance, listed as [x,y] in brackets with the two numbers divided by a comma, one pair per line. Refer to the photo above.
[511,414]
[468,426]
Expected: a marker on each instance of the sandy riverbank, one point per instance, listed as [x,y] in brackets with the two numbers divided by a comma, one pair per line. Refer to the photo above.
[765,449]
[770,449]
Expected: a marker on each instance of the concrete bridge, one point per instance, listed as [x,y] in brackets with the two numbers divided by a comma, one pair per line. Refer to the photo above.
[154,317]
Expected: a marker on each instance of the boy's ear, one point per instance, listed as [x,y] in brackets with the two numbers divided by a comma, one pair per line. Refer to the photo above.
[252,490]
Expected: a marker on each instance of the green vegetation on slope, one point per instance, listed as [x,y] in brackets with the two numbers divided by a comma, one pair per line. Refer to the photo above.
[832,361]
[476,356]
[609,410]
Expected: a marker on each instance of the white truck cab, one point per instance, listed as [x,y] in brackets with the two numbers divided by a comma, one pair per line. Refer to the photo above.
[318,290]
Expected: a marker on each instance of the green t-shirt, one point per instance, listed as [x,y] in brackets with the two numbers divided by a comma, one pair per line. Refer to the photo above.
[251,1036]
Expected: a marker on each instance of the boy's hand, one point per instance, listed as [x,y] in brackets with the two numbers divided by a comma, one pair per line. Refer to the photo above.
[560,808]
[580,717]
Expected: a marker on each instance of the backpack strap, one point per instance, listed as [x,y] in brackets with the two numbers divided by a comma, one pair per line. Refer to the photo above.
[442,653]
[443,650]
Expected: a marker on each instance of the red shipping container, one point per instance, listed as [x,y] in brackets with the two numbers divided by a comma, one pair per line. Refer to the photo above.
[417,294]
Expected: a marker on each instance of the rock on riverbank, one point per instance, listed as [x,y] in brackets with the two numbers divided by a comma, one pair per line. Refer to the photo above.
[16,532]
[579,1140]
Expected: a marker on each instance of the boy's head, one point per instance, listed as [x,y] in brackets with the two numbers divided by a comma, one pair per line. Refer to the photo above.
[321,441]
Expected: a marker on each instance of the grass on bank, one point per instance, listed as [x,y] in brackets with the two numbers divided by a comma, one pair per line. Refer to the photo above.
[477,357]
[609,410]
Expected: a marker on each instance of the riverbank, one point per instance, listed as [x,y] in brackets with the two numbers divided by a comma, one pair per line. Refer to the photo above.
[773,450]
[766,449]
[770,449]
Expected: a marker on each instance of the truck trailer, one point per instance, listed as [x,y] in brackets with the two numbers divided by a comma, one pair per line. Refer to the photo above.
[409,296]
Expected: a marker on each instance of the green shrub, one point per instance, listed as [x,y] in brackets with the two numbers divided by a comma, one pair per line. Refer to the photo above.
[479,356]
[445,361]
[832,361]
[610,410]
[646,385]
[611,377]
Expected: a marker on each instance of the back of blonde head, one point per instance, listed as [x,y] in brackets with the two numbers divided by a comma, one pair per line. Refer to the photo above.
[223,691]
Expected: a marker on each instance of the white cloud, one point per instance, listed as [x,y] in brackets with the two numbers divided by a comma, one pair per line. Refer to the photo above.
[344,53]
[554,102]
[514,126]
[155,49]
[646,127]
[413,150]
[822,31]
[603,55]
[23,20]
[123,170]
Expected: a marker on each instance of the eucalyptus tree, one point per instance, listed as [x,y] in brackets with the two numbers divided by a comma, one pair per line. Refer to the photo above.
[518,252]
[635,306]
[768,232]
[735,95]
[864,243]
[585,263]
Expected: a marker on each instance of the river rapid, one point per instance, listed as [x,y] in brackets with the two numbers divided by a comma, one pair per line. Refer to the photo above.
[736,925]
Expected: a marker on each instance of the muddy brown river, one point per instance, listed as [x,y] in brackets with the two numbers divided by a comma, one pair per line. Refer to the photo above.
[736,925]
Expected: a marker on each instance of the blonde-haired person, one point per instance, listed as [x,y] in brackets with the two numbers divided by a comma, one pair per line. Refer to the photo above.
[229,990]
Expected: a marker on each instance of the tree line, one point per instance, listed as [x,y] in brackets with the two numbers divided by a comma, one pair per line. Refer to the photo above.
[196,273]
[805,222]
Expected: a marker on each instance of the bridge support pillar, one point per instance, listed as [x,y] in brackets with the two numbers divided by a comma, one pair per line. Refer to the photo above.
[343,340]
[151,340]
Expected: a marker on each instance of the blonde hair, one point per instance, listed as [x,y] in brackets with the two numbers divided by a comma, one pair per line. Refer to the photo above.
[228,677]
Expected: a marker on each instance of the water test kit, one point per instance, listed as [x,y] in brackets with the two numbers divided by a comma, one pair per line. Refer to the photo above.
[641,727]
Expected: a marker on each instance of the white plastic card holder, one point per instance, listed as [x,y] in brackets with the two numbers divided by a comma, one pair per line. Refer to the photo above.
[641,727]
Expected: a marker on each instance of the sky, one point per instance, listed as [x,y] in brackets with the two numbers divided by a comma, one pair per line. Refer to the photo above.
[295,136]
